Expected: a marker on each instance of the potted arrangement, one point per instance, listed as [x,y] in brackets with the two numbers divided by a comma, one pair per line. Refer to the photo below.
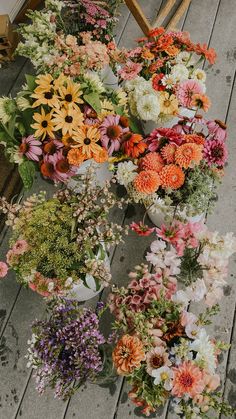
[163,77]
[164,351]
[55,124]
[58,246]
[177,174]
[67,349]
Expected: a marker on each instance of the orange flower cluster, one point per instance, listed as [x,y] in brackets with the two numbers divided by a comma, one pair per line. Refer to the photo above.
[128,354]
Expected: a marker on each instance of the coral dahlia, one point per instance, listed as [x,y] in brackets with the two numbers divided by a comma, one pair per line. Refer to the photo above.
[128,354]
[172,176]
[168,152]
[147,181]
[188,380]
[152,161]
[188,154]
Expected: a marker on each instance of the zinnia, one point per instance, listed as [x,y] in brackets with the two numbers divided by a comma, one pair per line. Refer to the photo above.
[172,176]
[128,354]
[147,181]
[186,90]
[215,152]
[188,380]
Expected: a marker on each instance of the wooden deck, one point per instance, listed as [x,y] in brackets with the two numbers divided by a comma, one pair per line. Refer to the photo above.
[211,21]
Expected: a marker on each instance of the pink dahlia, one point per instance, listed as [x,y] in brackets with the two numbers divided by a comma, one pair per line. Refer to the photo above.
[188,380]
[130,70]
[56,167]
[186,90]
[111,133]
[215,152]
[3,269]
[31,148]
[158,135]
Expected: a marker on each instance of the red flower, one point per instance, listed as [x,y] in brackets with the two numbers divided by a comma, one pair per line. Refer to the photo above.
[141,229]
[133,145]
[156,82]
[209,54]
[156,32]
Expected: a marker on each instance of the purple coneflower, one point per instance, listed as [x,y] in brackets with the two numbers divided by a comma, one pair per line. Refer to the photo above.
[112,130]
[31,148]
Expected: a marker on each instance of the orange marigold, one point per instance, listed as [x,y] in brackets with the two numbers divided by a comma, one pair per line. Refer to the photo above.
[187,154]
[172,176]
[128,354]
[75,157]
[168,152]
[147,181]
[101,156]
[152,161]
[134,146]
[194,138]
[172,50]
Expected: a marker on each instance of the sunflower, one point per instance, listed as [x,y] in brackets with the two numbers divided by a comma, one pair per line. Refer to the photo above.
[86,138]
[45,97]
[70,95]
[67,120]
[168,104]
[43,125]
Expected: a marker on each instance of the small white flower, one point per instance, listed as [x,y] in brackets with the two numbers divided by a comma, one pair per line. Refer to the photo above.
[51,286]
[199,75]
[179,72]
[126,172]
[181,297]
[197,290]
[163,375]
[205,350]
[69,281]
[168,81]
[148,107]
[95,81]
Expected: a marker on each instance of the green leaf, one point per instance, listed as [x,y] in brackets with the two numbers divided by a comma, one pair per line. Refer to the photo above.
[30,82]
[27,173]
[135,126]
[93,100]
[27,119]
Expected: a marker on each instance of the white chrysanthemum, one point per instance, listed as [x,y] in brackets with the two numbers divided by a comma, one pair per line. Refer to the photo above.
[7,109]
[95,82]
[132,84]
[199,75]
[148,107]
[205,350]
[179,72]
[22,103]
[126,172]
[144,88]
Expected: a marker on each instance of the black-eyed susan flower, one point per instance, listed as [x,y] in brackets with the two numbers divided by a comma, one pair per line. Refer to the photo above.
[67,120]
[46,97]
[86,138]
[43,125]
[70,95]
[44,82]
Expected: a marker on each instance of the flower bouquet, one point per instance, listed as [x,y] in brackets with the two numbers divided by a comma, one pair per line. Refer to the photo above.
[178,172]
[71,36]
[196,256]
[58,245]
[163,78]
[56,123]
[67,349]
[164,351]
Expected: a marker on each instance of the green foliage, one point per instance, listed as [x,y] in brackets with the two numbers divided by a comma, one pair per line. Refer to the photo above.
[27,173]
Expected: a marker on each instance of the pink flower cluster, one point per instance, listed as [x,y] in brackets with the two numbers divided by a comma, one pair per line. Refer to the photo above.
[44,286]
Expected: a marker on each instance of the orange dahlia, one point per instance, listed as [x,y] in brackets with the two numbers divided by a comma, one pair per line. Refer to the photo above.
[188,380]
[187,154]
[128,354]
[194,138]
[172,176]
[168,152]
[101,156]
[134,146]
[76,157]
[147,181]
[152,161]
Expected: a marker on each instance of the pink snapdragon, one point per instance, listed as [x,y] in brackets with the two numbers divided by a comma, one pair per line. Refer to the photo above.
[3,269]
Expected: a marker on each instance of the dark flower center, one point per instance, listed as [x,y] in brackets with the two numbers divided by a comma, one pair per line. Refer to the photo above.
[114,131]
[87,141]
[62,166]
[157,361]
[221,124]
[48,95]
[47,169]
[68,97]
[68,119]
[44,124]
[50,148]
[186,380]
[218,152]
[24,148]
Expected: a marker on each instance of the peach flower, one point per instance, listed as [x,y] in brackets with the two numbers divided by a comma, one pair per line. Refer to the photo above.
[188,380]
[187,154]
[128,354]
[152,161]
[172,176]
[147,181]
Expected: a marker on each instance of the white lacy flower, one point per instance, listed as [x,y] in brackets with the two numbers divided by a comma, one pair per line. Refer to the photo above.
[144,88]
[205,350]
[126,172]
[148,107]
[181,297]
[95,81]
[199,75]
[163,375]
[132,84]
[55,5]
[179,72]
[197,290]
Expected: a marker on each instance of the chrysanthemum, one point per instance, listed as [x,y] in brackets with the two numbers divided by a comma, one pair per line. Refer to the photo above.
[134,145]
[148,107]
[172,176]
[186,90]
[215,152]
[76,157]
[147,182]
[168,152]
[31,148]
[168,104]
[128,354]
[188,154]
[43,125]
[111,133]
[201,102]
[152,161]
[70,95]
[86,139]
[67,120]
[188,380]
[194,138]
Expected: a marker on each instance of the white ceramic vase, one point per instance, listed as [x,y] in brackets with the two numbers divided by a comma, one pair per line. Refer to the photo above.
[159,217]
[149,126]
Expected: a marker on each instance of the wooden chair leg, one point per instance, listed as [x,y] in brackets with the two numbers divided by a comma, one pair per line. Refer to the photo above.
[163,13]
[178,14]
[139,16]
